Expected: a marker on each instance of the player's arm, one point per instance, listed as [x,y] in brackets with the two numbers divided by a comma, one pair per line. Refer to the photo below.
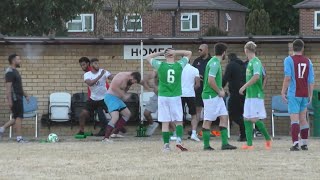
[90,82]
[287,78]
[9,93]
[310,81]
[265,77]
[214,67]
[149,57]
[146,82]
[196,79]
[254,79]
[184,53]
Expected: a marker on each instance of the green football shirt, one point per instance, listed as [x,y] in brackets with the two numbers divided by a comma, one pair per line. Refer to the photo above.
[169,76]
[213,69]
[255,90]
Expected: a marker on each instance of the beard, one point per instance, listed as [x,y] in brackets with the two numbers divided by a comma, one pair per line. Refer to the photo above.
[96,69]
[223,57]
[18,66]
[129,83]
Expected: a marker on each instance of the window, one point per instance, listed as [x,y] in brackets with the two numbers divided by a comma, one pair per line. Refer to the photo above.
[190,22]
[82,23]
[133,23]
[317,20]
[228,18]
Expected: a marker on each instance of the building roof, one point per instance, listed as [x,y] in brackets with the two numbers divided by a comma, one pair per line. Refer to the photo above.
[113,41]
[197,4]
[308,4]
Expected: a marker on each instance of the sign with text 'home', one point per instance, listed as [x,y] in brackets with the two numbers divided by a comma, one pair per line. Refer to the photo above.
[134,51]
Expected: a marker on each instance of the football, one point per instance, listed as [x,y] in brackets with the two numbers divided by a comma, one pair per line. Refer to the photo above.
[52,138]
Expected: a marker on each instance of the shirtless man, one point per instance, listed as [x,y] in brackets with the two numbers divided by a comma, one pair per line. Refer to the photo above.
[152,105]
[115,98]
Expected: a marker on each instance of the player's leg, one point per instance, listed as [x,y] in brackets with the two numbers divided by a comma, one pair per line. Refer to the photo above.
[103,121]
[191,103]
[294,108]
[151,107]
[176,113]
[259,122]
[208,117]
[304,125]
[247,114]
[224,131]
[111,125]
[84,115]
[165,119]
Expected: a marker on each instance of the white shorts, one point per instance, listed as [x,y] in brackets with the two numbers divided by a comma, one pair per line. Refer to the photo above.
[213,108]
[169,109]
[254,108]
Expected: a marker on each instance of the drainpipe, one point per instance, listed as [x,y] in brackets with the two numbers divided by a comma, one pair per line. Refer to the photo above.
[174,15]
[218,19]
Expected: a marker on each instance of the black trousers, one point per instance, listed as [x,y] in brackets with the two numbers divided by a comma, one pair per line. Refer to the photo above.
[235,109]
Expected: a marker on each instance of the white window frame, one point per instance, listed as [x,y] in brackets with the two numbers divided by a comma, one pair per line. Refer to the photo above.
[82,20]
[228,18]
[190,19]
[316,26]
[125,23]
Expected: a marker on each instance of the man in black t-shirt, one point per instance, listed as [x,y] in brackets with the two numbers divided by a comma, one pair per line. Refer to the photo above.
[14,96]
[200,63]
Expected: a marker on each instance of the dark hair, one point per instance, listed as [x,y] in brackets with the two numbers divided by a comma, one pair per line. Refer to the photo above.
[232,56]
[298,45]
[220,48]
[94,60]
[137,76]
[84,59]
[12,57]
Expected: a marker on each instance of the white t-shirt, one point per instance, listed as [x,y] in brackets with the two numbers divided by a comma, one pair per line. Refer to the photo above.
[98,90]
[189,74]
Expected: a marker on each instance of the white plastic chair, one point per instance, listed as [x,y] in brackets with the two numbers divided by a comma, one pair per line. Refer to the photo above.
[59,107]
[145,99]
[278,109]
[29,111]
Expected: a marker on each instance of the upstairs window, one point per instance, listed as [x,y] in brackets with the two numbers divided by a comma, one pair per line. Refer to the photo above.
[81,23]
[190,22]
[132,22]
[317,20]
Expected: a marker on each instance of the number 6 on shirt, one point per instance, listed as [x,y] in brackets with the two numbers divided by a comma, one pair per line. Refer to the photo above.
[170,76]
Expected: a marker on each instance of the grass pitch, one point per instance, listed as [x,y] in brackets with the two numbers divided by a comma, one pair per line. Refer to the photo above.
[142,158]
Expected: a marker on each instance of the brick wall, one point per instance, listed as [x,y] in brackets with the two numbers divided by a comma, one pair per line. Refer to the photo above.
[307,22]
[52,68]
[159,24]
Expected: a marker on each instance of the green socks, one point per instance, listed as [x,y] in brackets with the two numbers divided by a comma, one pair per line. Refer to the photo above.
[249,131]
[224,135]
[166,137]
[179,131]
[263,130]
[206,137]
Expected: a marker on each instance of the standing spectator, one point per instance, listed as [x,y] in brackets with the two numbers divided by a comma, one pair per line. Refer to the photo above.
[200,63]
[14,96]
[190,82]
[235,76]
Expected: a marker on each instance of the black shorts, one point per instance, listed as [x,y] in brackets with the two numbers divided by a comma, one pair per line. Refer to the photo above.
[17,109]
[92,105]
[191,103]
[199,101]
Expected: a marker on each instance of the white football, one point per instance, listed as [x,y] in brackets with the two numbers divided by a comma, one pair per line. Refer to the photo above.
[52,138]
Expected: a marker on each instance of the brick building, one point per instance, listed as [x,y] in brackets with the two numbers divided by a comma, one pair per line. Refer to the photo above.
[309,17]
[51,65]
[166,19]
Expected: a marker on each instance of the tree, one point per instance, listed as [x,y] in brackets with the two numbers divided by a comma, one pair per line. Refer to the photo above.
[284,18]
[258,23]
[40,17]
[126,13]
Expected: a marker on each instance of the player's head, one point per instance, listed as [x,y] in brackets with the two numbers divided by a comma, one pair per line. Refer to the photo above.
[232,56]
[95,64]
[84,63]
[203,50]
[220,49]
[14,60]
[135,77]
[169,53]
[250,48]
[298,45]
